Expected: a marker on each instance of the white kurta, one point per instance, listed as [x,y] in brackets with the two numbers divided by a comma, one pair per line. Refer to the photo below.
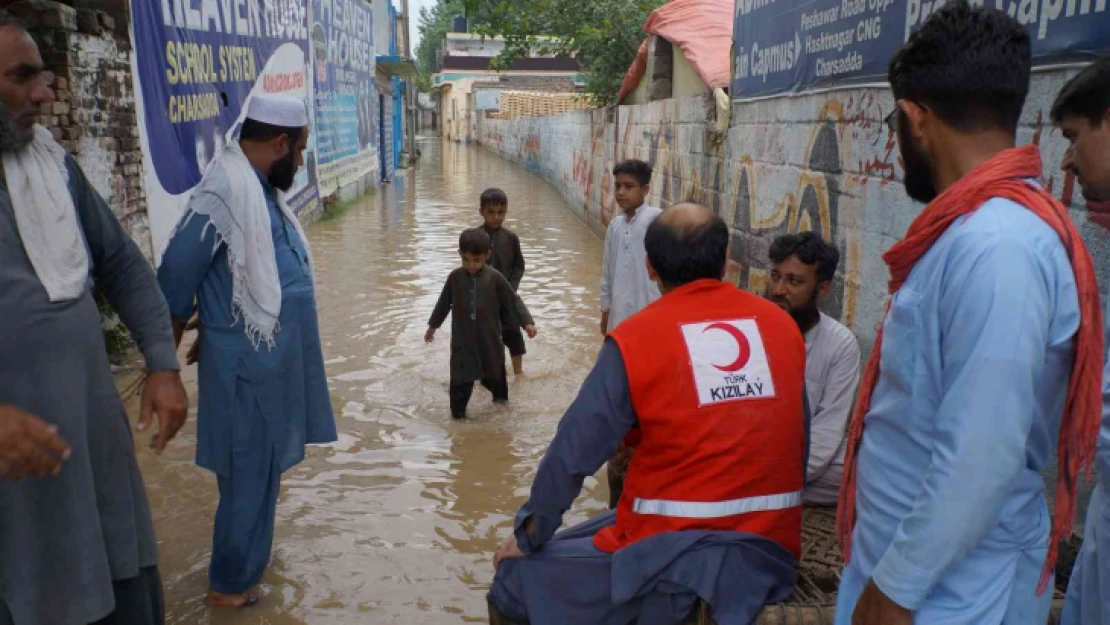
[625,286]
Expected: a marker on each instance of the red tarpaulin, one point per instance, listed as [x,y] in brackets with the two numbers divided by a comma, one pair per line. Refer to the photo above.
[702,29]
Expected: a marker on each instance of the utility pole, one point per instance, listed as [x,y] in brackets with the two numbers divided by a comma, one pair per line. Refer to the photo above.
[410,91]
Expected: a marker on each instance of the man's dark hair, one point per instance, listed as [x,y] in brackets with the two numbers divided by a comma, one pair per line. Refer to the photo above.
[689,252]
[811,249]
[7,19]
[254,130]
[639,170]
[971,66]
[493,197]
[1088,94]
[474,241]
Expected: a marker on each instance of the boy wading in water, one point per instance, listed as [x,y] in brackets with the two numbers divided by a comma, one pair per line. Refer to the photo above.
[481,301]
[505,257]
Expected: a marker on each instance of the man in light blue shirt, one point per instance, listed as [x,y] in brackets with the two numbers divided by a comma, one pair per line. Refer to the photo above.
[951,521]
[1082,111]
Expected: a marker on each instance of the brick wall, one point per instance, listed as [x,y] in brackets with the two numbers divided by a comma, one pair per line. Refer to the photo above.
[86,44]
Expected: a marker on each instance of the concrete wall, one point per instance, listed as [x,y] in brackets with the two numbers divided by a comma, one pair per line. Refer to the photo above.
[822,162]
[685,80]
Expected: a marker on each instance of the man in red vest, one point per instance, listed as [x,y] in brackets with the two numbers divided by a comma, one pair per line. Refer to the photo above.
[713,380]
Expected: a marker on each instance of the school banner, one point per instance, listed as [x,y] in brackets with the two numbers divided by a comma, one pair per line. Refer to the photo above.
[346,100]
[196,64]
[793,45]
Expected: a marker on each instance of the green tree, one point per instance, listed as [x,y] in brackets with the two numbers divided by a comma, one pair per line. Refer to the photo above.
[433,25]
[603,34]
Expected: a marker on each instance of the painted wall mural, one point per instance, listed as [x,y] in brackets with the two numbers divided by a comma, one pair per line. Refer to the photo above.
[821,162]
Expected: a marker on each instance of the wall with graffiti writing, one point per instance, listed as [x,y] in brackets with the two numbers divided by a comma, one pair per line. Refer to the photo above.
[824,162]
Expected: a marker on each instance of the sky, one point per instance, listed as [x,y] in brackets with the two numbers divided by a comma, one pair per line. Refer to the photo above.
[414,6]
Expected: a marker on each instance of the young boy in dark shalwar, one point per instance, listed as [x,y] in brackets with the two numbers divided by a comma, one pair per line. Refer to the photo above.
[480,301]
[506,258]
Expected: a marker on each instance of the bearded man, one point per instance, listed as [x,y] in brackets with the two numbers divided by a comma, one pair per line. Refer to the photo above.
[802,270]
[240,256]
[77,541]
[991,352]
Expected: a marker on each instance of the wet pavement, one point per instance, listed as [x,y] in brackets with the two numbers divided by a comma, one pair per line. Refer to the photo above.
[398,521]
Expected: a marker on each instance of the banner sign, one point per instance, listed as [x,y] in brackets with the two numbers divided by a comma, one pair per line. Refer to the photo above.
[196,64]
[793,45]
[346,100]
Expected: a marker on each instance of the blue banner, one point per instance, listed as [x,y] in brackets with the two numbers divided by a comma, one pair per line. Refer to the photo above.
[346,99]
[197,62]
[793,45]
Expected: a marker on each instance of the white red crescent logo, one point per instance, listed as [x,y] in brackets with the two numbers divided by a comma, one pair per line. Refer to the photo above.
[741,342]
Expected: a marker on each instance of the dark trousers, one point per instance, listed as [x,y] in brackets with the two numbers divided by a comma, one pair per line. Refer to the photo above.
[513,338]
[138,600]
[460,393]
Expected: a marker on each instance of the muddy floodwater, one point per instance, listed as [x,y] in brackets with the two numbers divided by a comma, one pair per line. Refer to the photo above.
[398,521]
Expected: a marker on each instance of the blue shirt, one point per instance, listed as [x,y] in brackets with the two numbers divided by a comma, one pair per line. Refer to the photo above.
[287,383]
[1088,599]
[976,356]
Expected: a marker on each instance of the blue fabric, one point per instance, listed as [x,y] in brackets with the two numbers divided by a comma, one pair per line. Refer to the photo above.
[977,351]
[1088,600]
[655,581]
[288,381]
[243,535]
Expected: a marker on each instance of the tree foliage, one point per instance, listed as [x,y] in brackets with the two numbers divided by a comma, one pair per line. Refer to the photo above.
[434,24]
[603,34]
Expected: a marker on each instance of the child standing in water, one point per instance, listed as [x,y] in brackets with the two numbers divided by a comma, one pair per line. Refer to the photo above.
[481,301]
[506,258]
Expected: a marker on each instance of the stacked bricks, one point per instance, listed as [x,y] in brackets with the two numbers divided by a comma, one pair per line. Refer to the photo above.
[518,104]
[86,44]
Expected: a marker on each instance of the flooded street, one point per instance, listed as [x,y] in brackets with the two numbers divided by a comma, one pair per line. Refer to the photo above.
[398,521]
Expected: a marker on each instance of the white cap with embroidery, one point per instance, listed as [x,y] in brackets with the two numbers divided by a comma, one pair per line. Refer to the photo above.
[278,110]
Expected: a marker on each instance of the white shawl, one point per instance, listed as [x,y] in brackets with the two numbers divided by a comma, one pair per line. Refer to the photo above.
[38,183]
[242,222]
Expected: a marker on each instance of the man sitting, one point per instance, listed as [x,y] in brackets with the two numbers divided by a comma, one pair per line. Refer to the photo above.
[713,497]
[803,266]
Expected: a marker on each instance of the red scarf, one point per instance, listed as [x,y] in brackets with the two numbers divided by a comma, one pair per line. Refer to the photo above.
[1003,176]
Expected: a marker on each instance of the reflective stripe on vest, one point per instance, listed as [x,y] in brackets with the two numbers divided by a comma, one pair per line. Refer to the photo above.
[717,509]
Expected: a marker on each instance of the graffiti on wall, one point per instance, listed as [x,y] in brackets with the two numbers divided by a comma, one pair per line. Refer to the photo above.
[827,163]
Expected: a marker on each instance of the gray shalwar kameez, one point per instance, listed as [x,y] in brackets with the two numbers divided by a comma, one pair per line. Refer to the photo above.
[506,257]
[478,304]
[64,540]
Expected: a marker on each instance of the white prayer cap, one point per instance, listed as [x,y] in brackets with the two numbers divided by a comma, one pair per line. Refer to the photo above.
[277,110]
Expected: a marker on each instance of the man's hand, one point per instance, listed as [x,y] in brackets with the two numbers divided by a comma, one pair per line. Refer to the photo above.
[508,550]
[29,447]
[163,394]
[430,335]
[531,331]
[605,323]
[875,608]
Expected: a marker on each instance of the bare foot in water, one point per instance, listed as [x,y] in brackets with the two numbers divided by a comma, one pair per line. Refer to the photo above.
[231,601]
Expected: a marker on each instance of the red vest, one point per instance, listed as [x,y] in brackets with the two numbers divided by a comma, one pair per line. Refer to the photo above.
[717,377]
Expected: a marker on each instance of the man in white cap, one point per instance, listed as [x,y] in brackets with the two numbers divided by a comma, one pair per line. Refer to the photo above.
[241,257]
[77,542]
